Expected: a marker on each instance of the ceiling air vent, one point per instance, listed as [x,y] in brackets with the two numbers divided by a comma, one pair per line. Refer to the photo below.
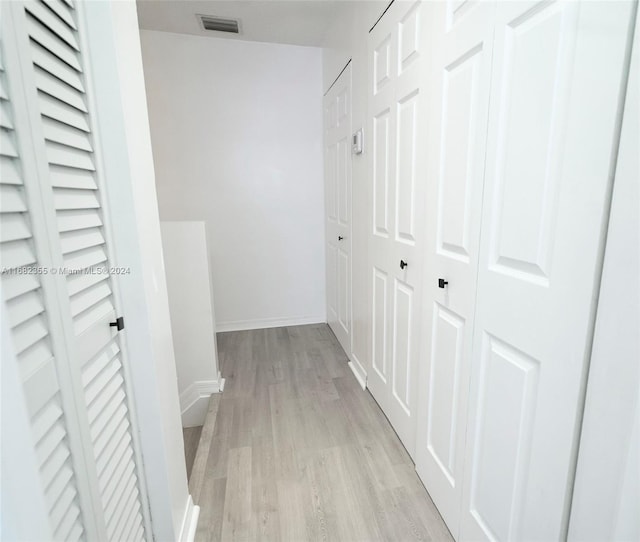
[218,24]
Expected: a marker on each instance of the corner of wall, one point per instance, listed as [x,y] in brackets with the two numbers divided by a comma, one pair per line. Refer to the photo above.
[194,401]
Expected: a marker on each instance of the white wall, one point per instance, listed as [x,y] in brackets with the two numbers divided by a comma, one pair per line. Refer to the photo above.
[237,142]
[192,317]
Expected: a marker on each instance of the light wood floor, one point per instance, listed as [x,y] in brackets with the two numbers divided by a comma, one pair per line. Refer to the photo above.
[191,437]
[295,450]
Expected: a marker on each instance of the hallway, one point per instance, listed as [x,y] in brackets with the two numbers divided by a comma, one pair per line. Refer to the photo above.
[297,451]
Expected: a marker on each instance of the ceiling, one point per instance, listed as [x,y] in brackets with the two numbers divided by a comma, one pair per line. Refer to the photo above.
[297,22]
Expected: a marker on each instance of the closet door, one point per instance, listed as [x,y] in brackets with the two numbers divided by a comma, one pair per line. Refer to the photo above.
[553,129]
[397,126]
[337,152]
[460,77]
[69,188]
[29,298]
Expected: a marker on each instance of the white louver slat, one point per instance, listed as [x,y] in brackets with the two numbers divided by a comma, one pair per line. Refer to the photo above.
[8,147]
[62,134]
[14,227]
[75,180]
[57,110]
[11,198]
[26,313]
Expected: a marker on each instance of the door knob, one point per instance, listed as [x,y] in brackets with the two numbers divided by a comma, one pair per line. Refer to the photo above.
[340,238]
[118,324]
[442,283]
[403,264]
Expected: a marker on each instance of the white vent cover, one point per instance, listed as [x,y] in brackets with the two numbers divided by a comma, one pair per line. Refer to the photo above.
[218,24]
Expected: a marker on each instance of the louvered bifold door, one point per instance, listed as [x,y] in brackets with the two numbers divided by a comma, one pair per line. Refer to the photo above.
[65,129]
[27,295]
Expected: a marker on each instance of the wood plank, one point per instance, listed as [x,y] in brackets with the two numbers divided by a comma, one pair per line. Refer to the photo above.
[236,524]
[201,456]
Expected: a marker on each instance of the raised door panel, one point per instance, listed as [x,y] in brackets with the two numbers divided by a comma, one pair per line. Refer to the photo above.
[402,342]
[537,56]
[551,144]
[447,356]
[342,183]
[502,438]
[381,155]
[456,10]
[409,37]
[461,172]
[331,181]
[332,284]
[406,140]
[382,64]
[344,313]
[380,322]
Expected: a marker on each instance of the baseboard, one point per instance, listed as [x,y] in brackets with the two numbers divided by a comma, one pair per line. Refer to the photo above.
[194,401]
[358,370]
[243,325]
[190,522]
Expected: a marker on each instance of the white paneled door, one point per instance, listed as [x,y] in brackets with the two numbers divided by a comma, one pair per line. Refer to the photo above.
[558,73]
[337,152]
[459,85]
[396,124]
[59,278]
[518,201]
